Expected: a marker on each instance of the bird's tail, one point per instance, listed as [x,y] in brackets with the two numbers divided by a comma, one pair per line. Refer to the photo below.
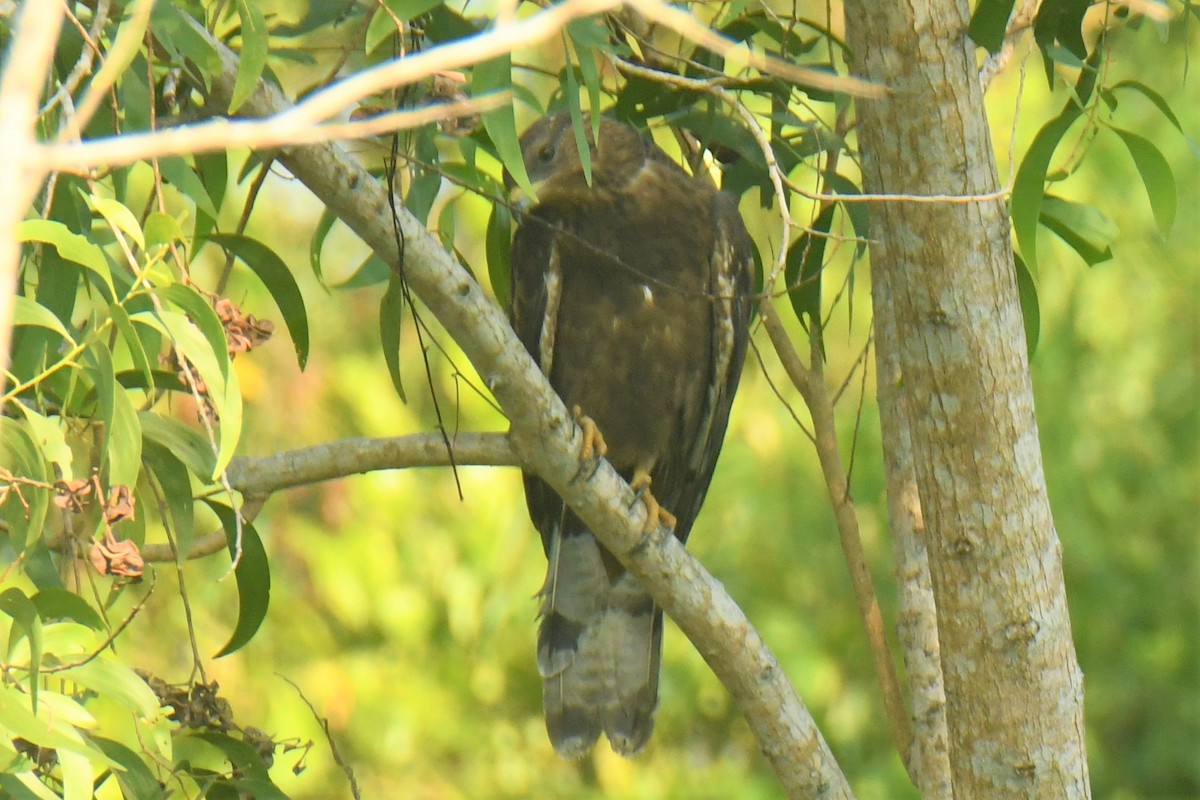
[599,648]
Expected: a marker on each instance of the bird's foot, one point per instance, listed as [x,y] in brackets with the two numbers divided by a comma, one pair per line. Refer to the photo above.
[655,513]
[593,447]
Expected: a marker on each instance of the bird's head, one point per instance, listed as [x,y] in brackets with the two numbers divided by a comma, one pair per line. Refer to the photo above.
[550,151]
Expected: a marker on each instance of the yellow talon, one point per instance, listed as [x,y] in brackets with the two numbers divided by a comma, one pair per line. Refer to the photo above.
[654,512]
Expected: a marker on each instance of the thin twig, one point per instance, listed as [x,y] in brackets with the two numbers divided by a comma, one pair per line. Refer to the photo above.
[333,748]
[809,381]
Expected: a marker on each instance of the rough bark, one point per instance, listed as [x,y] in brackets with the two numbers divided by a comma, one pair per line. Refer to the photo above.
[1014,691]
[916,624]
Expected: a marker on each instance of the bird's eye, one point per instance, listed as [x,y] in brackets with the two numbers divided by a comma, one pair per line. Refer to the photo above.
[546,154]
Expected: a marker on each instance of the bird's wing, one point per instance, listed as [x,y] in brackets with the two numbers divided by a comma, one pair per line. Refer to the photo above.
[730,283]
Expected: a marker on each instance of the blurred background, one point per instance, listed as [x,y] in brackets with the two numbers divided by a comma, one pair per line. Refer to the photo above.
[406,614]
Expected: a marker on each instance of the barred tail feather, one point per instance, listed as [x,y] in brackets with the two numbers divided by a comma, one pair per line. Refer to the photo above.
[599,651]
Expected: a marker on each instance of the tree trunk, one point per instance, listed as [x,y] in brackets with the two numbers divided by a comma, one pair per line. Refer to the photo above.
[1014,691]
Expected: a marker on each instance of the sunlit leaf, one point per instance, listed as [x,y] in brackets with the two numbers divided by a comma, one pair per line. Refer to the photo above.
[70,246]
[253,576]
[122,442]
[200,310]
[119,217]
[133,342]
[571,91]
[180,174]
[76,771]
[187,444]
[26,625]
[60,604]
[48,435]
[115,681]
[1157,177]
[224,392]
[21,455]
[280,282]
[16,716]
[391,321]
[253,57]
[501,123]
[29,312]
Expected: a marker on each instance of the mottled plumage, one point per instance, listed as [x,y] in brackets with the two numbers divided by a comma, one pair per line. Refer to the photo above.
[633,296]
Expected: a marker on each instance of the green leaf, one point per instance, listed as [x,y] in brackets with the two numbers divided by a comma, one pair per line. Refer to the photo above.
[1151,95]
[1030,312]
[253,57]
[24,786]
[1085,228]
[26,624]
[200,310]
[253,576]
[805,261]
[324,226]
[113,680]
[134,777]
[133,342]
[31,313]
[280,282]
[501,123]
[175,30]
[172,477]
[224,393]
[989,22]
[119,217]
[498,246]
[391,321]
[1029,182]
[16,716]
[70,246]
[371,272]
[21,455]
[122,442]
[180,174]
[76,771]
[571,91]
[859,213]
[1157,177]
[187,444]
[590,38]
[60,604]
[383,25]
[48,435]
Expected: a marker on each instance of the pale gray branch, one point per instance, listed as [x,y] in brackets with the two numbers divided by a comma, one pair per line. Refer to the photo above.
[547,441]
[255,477]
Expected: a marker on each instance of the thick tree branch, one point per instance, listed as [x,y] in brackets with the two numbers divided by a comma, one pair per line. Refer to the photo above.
[28,59]
[916,623]
[546,439]
[257,477]
[1014,691]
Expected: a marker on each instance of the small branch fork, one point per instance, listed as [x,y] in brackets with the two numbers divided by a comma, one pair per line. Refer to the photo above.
[810,383]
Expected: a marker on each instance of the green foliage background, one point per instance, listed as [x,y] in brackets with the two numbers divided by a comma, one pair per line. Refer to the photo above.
[406,616]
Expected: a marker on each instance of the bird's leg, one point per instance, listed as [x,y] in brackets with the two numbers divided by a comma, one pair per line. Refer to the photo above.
[654,512]
[593,447]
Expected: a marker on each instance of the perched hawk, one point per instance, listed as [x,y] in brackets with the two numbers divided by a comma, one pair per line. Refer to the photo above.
[632,294]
